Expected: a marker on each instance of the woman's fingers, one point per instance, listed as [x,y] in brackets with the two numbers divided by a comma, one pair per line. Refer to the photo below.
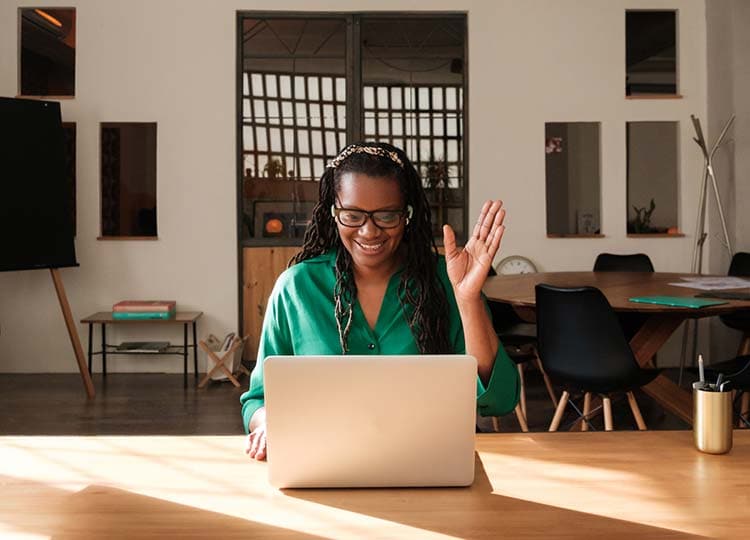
[255,445]
[487,219]
[449,241]
[494,244]
[262,447]
[478,227]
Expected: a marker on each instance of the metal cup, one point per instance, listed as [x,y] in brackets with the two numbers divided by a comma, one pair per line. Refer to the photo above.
[712,420]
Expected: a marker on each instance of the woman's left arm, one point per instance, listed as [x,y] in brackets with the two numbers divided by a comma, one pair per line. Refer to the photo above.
[467,271]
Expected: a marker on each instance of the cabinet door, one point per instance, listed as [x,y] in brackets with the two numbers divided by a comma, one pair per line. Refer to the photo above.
[261,266]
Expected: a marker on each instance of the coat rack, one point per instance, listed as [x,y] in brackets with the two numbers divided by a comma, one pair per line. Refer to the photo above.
[700,227]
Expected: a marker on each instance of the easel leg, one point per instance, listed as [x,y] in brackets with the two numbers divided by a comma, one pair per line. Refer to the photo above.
[72,332]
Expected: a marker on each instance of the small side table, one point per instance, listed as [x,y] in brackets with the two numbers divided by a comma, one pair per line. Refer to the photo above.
[186,318]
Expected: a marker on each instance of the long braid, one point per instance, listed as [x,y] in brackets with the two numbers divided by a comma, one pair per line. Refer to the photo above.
[422,297]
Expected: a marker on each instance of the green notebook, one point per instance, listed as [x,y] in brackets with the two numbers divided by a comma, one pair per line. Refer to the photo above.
[677,301]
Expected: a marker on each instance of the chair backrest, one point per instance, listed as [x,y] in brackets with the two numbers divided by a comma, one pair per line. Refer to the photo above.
[609,262]
[740,265]
[503,315]
[580,339]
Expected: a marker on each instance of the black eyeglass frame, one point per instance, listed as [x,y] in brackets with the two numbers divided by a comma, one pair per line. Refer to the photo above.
[408,212]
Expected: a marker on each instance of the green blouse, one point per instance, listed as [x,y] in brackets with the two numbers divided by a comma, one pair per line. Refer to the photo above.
[300,320]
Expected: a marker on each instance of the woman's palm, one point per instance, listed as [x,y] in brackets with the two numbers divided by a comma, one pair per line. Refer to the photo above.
[468,267]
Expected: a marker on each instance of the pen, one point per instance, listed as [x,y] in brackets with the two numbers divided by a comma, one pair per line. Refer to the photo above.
[700,369]
[718,382]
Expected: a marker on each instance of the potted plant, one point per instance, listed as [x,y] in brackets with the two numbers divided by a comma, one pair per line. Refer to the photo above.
[274,169]
[435,173]
[642,222]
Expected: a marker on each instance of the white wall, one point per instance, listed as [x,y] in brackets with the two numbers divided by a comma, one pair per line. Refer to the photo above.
[173,62]
[728,56]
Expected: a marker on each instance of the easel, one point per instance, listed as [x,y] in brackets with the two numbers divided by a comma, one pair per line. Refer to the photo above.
[219,361]
[700,227]
[72,332]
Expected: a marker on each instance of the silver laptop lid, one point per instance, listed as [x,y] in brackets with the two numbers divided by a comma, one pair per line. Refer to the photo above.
[370,421]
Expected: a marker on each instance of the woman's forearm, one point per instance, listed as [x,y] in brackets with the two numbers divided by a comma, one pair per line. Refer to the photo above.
[479,335]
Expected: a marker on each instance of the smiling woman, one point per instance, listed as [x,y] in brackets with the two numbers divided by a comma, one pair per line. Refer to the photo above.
[369,281]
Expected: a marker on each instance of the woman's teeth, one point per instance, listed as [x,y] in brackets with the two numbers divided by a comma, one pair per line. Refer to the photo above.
[371,247]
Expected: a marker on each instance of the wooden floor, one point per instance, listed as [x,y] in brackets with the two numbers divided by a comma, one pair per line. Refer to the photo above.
[157,404]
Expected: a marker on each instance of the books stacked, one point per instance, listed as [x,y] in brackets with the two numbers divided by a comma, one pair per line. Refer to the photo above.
[144,309]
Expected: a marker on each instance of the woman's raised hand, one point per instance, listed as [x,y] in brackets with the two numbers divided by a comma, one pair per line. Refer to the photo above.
[468,267]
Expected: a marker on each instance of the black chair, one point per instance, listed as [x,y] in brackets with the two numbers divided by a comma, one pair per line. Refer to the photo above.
[582,348]
[737,371]
[609,262]
[519,340]
[637,262]
[740,320]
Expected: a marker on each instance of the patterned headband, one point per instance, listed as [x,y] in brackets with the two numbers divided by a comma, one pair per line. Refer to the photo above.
[372,150]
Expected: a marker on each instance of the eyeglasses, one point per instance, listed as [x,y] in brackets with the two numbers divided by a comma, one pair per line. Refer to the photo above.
[384,219]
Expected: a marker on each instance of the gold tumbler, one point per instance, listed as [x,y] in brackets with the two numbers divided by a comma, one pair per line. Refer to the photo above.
[712,420]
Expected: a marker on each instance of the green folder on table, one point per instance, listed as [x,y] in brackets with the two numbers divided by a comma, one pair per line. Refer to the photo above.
[677,301]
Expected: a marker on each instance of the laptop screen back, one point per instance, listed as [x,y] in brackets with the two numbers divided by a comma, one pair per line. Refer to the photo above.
[370,421]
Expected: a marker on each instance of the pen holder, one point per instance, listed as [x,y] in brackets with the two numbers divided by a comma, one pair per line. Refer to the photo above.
[712,420]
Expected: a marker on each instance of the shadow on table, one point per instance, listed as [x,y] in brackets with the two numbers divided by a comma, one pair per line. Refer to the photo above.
[107,512]
[475,512]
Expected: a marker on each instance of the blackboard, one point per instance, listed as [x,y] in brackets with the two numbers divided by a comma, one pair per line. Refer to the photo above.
[36,224]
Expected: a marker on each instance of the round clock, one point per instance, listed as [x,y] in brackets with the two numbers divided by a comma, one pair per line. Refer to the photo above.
[515,264]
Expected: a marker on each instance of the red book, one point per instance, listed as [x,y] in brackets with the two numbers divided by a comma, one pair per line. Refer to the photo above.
[131,306]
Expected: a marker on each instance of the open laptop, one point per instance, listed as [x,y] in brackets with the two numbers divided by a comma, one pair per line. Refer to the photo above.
[370,421]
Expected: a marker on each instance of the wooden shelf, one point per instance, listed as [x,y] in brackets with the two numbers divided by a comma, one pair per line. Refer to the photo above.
[127,237]
[655,235]
[575,235]
[655,96]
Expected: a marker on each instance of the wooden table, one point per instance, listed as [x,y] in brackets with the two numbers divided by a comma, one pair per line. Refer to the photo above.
[185,318]
[627,485]
[518,290]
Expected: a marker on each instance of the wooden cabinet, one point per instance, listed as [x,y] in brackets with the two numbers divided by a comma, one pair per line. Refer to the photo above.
[261,266]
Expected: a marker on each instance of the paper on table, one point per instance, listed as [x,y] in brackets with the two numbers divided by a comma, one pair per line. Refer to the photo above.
[712,283]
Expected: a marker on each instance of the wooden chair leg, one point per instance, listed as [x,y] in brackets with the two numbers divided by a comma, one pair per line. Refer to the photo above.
[522,401]
[744,408]
[547,382]
[636,412]
[559,411]
[521,419]
[607,413]
[586,411]
[496,424]
[744,345]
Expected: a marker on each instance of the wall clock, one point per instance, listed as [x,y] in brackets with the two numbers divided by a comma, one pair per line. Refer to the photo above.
[515,264]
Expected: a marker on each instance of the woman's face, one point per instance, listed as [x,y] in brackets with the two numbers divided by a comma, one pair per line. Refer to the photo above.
[369,245]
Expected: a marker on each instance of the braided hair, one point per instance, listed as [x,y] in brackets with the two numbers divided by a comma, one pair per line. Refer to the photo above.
[421,294]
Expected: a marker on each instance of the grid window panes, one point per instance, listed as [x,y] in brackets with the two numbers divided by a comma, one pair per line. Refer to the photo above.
[413,98]
[297,79]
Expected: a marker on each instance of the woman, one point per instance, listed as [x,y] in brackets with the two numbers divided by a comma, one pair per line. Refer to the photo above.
[369,280]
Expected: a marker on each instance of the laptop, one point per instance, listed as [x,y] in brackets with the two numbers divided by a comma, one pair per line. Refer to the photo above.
[370,421]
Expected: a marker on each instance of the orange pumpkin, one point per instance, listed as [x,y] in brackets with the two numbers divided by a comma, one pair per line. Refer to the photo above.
[274,226]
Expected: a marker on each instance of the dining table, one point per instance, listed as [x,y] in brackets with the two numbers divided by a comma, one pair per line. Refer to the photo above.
[661,321]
